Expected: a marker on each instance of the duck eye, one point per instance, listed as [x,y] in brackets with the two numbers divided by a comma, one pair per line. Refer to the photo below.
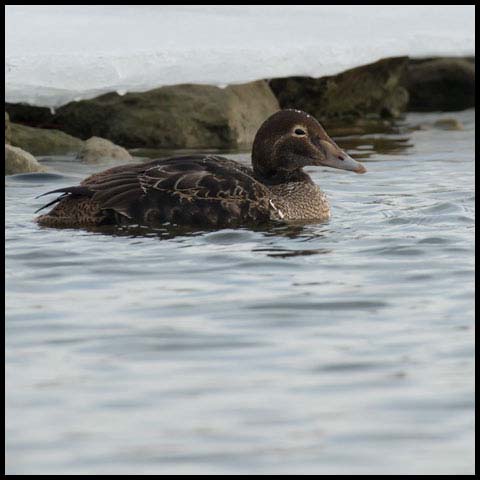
[299,132]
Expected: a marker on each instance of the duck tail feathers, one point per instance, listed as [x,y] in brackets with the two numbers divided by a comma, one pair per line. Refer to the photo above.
[81,191]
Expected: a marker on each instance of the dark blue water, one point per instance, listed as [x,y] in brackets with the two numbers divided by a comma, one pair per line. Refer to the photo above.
[343,347]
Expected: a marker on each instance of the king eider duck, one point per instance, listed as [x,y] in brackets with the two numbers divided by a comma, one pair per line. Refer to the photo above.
[211,191]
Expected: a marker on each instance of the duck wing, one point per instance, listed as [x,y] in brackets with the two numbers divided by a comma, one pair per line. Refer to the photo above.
[195,189]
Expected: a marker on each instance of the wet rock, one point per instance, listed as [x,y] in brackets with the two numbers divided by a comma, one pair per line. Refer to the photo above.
[43,141]
[96,150]
[372,89]
[20,161]
[441,84]
[448,124]
[8,130]
[361,126]
[181,116]
[451,124]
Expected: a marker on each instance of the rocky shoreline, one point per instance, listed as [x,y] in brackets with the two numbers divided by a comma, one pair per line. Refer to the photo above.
[364,99]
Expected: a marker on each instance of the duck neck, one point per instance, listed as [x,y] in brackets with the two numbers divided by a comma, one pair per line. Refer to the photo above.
[282,176]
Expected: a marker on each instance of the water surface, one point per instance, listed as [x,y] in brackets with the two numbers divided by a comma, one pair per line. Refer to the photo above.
[343,347]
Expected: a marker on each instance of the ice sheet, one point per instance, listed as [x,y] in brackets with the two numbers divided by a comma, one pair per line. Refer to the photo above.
[55,54]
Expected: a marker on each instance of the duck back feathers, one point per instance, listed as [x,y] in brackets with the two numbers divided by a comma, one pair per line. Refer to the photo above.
[194,190]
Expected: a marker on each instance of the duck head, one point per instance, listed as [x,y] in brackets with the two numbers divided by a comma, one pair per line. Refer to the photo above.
[290,140]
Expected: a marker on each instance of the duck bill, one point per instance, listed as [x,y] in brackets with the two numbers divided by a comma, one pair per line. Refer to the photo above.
[334,157]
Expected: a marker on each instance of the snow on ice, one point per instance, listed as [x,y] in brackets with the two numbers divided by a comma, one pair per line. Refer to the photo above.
[56,54]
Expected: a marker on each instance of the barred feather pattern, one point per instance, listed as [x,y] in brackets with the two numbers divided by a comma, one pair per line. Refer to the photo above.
[197,190]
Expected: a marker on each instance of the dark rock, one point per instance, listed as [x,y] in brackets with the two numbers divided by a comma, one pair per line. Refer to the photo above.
[442,84]
[181,116]
[29,115]
[42,141]
[372,89]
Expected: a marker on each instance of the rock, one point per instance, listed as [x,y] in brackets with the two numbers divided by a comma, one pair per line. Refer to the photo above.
[8,130]
[20,161]
[448,124]
[97,149]
[43,141]
[30,115]
[372,89]
[360,126]
[451,124]
[442,84]
[181,116]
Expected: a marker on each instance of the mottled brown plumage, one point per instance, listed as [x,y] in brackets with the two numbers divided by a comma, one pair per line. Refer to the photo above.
[208,190]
